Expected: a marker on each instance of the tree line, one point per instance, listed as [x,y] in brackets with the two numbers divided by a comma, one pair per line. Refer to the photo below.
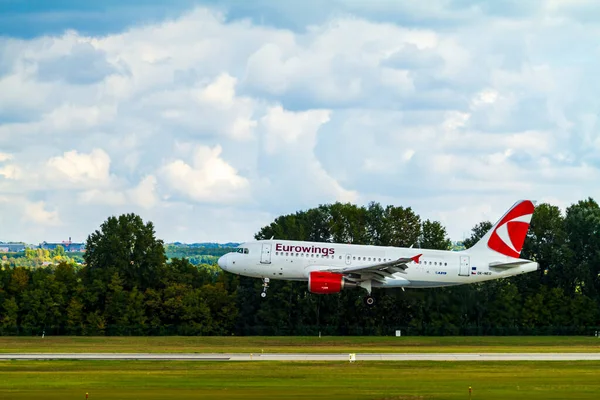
[32,258]
[128,286]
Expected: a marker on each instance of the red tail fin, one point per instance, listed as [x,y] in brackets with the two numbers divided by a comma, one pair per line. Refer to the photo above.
[507,236]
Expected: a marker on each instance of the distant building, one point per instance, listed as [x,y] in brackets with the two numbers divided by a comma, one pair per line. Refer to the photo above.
[68,246]
[11,247]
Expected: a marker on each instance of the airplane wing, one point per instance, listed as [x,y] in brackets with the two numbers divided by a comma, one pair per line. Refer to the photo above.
[378,271]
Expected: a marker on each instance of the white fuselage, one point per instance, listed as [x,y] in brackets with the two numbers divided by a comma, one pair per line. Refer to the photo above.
[294,260]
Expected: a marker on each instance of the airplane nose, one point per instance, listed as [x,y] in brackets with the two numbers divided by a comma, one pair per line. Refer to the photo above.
[223,262]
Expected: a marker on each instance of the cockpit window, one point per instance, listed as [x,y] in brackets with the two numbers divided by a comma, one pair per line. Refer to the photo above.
[242,250]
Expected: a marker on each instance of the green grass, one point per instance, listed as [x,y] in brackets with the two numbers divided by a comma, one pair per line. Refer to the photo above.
[255,344]
[51,380]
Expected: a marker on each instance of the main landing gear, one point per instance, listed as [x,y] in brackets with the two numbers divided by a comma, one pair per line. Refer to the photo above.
[369,300]
[265,287]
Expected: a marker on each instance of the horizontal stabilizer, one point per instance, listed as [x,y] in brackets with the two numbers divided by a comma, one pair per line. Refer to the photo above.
[513,264]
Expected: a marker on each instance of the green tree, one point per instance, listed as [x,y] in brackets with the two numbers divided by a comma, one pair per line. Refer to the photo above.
[9,314]
[434,236]
[376,224]
[546,244]
[128,246]
[135,318]
[477,233]
[348,224]
[180,270]
[116,305]
[58,252]
[95,324]
[402,227]
[582,225]
[75,317]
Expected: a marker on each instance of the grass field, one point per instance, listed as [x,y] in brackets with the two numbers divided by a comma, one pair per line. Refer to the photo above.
[372,344]
[290,380]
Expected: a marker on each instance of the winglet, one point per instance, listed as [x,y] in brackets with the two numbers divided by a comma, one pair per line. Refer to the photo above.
[416,258]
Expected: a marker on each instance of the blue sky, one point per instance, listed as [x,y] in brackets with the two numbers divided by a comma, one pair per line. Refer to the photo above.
[29,18]
[212,118]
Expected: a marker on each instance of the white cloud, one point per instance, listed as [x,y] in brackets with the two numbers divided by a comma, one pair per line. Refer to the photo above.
[486,96]
[289,152]
[200,117]
[37,213]
[11,172]
[221,92]
[143,195]
[104,197]
[209,179]
[85,169]
[337,63]
[295,130]
[5,157]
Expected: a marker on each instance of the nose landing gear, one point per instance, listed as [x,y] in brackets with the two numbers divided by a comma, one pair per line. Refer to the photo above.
[265,287]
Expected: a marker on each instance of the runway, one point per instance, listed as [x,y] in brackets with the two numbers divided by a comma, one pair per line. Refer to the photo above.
[308,357]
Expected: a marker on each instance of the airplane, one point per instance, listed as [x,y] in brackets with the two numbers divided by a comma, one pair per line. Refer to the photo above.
[332,267]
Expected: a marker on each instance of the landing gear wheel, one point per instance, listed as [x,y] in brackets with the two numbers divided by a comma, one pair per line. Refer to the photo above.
[265,287]
[369,301]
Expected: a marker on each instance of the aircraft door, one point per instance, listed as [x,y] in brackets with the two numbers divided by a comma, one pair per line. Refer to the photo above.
[348,259]
[465,266]
[265,256]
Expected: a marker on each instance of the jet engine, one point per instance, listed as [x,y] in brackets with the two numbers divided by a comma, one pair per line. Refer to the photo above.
[327,282]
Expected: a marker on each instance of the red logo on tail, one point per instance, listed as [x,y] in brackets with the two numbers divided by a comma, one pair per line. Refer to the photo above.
[509,235]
